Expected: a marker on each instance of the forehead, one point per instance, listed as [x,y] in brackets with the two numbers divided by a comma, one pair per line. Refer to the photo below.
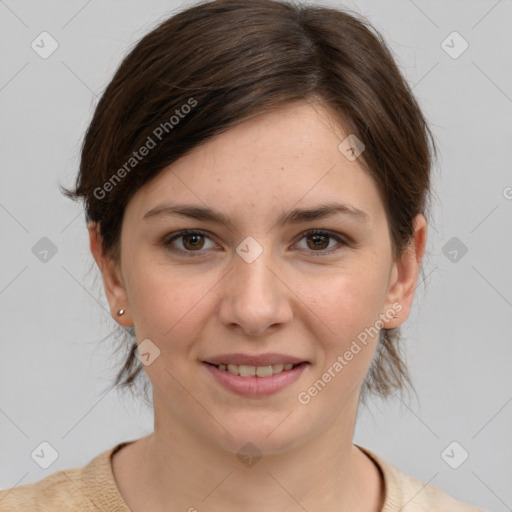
[288,157]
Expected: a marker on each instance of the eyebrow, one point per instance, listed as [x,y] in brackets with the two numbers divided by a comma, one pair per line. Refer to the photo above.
[295,216]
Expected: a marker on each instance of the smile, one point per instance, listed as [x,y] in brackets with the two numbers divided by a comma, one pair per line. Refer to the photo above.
[255,381]
[255,371]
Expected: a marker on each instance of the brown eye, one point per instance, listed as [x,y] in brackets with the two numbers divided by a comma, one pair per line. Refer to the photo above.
[191,242]
[320,242]
[317,242]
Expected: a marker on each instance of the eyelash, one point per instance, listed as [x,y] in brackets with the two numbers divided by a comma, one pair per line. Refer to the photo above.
[167,241]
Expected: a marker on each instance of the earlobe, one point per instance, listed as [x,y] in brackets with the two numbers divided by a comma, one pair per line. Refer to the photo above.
[404,275]
[112,280]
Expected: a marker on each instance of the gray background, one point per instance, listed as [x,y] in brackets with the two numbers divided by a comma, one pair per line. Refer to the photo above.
[54,368]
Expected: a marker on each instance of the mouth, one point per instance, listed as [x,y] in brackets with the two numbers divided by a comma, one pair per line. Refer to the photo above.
[255,382]
[243,370]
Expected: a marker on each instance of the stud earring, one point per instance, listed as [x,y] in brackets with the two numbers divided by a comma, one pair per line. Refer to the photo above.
[120,312]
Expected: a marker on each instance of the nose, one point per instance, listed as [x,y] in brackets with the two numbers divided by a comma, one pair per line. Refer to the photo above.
[254,296]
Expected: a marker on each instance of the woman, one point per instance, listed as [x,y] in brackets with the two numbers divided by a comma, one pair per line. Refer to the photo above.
[256,180]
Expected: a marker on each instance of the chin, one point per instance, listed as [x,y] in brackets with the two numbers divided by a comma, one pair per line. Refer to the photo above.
[272,436]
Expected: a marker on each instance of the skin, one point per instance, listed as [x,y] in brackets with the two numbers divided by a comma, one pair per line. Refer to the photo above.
[287,301]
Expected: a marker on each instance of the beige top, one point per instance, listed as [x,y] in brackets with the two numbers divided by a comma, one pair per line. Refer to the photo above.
[92,488]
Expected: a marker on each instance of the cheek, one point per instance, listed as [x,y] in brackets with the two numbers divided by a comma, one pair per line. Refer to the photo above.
[172,312]
[166,305]
[346,301]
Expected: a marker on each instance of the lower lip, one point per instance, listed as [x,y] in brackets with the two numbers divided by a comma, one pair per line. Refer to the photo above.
[256,386]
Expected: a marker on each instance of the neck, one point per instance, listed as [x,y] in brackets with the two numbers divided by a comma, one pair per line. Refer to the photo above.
[176,469]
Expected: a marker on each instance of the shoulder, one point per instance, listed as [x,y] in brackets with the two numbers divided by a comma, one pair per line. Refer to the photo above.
[62,488]
[420,496]
[86,488]
[406,493]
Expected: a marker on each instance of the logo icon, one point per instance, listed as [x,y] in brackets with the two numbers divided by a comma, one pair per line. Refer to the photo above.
[44,250]
[249,249]
[351,147]
[44,455]
[249,455]
[44,45]
[454,455]
[454,45]
[147,352]
[454,249]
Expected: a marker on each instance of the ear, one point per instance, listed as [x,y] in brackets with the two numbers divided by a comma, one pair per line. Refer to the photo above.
[112,279]
[404,275]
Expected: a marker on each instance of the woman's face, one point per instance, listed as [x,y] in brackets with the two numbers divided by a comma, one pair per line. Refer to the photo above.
[259,285]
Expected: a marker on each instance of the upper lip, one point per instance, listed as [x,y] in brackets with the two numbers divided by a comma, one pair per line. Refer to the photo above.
[254,360]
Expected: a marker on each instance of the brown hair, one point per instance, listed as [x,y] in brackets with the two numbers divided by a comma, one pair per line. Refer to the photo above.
[214,65]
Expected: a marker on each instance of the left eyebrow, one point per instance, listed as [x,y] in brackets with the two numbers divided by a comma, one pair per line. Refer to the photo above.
[322,211]
[295,216]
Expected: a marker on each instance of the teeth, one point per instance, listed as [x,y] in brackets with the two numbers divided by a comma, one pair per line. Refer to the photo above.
[252,371]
